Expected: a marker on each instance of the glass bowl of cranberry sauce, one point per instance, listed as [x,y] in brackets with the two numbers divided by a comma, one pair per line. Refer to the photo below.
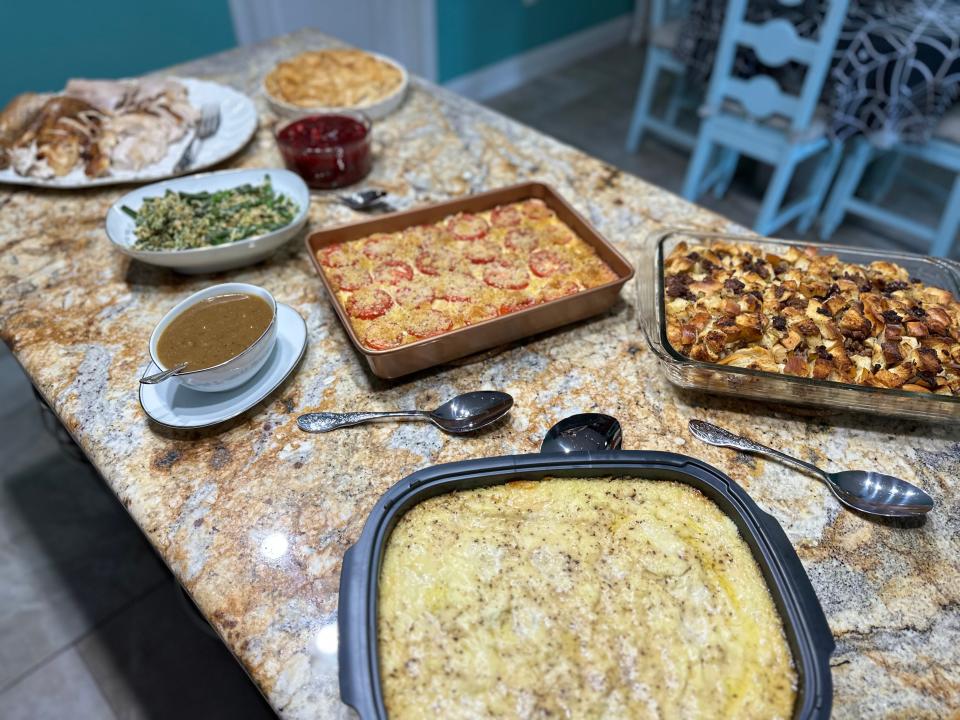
[328,151]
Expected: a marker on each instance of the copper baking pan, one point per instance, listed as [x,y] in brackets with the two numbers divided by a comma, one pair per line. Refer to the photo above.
[489,333]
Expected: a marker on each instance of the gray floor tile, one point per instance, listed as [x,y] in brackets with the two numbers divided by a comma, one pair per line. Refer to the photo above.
[69,558]
[60,688]
[72,567]
[151,661]
[69,554]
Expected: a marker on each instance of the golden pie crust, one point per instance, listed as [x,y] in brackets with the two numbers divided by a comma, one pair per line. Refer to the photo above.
[810,315]
[398,288]
[340,78]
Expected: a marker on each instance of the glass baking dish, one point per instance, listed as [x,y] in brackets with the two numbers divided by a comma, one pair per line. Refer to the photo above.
[773,387]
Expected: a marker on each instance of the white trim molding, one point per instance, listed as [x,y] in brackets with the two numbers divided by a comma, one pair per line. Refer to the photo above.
[514,71]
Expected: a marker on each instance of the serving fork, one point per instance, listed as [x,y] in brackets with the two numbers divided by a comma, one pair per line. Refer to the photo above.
[208,125]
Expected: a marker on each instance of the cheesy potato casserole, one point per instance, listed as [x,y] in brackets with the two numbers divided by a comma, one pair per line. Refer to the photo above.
[810,315]
[603,598]
[339,78]
[401,287]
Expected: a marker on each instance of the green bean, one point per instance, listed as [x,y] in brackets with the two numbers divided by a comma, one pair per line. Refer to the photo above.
[178,220]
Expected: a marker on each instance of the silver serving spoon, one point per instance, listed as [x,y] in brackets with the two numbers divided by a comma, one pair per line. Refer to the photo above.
[867,491]
[464,413]
[360,201]
[161,376]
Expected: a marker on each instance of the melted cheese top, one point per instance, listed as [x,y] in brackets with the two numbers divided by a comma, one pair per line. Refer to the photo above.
[609,598]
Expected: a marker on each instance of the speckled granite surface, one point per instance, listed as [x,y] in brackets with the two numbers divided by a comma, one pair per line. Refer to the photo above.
[254,517]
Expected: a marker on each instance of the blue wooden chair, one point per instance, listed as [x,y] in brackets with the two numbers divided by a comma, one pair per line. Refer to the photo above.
[666,18]
[943,150]
[755,117]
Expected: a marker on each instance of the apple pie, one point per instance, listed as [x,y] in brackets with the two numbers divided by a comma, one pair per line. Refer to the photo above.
[338,78]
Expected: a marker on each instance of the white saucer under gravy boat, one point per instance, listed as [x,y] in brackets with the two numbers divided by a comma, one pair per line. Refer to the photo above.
[175,405]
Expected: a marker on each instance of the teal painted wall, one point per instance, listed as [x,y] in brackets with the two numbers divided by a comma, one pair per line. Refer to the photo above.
[46,42]
[475,33]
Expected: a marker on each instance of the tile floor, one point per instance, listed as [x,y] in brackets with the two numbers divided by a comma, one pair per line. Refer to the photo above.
[92,624]
[588,104]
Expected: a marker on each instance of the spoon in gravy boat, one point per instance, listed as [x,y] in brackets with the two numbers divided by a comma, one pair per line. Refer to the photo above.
[161,376]
[464,413]
[866,491]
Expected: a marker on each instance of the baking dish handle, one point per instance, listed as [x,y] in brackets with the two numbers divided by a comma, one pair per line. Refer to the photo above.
[353,652]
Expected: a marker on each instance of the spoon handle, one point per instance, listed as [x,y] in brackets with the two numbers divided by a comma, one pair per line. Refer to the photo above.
[327,421]
[714,435]
[161,376]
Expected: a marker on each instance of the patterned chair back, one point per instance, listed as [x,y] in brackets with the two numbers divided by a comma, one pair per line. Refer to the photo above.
[775,43]
[664,11]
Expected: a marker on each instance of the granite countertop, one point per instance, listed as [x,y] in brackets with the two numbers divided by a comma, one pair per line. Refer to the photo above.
[254,517]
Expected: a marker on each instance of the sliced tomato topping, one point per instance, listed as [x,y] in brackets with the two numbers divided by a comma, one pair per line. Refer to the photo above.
[517,302]
[434,262]
[558,235]
[350,277]
[414,294]
[521,240]
[536,209]
[505,216]
[382,335]
[466,226]
[482,251]
[545,263]
[393,272]
[560,289]
[335,255]
[459,287]
[506,275]
[368,303]
[379,246]
[427,323]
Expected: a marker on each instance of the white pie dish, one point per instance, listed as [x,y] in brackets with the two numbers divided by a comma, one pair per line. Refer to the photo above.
[375,111]
[120,226]
[238,369]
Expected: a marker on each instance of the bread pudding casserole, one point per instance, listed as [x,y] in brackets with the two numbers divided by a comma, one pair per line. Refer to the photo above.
[401,287]
[571,598]
[809,315]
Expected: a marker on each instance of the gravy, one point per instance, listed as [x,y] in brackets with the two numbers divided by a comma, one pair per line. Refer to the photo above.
[214,330]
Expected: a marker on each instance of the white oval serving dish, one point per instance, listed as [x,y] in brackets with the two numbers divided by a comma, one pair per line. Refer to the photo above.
[375,110]
[120,226]
[238,369]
